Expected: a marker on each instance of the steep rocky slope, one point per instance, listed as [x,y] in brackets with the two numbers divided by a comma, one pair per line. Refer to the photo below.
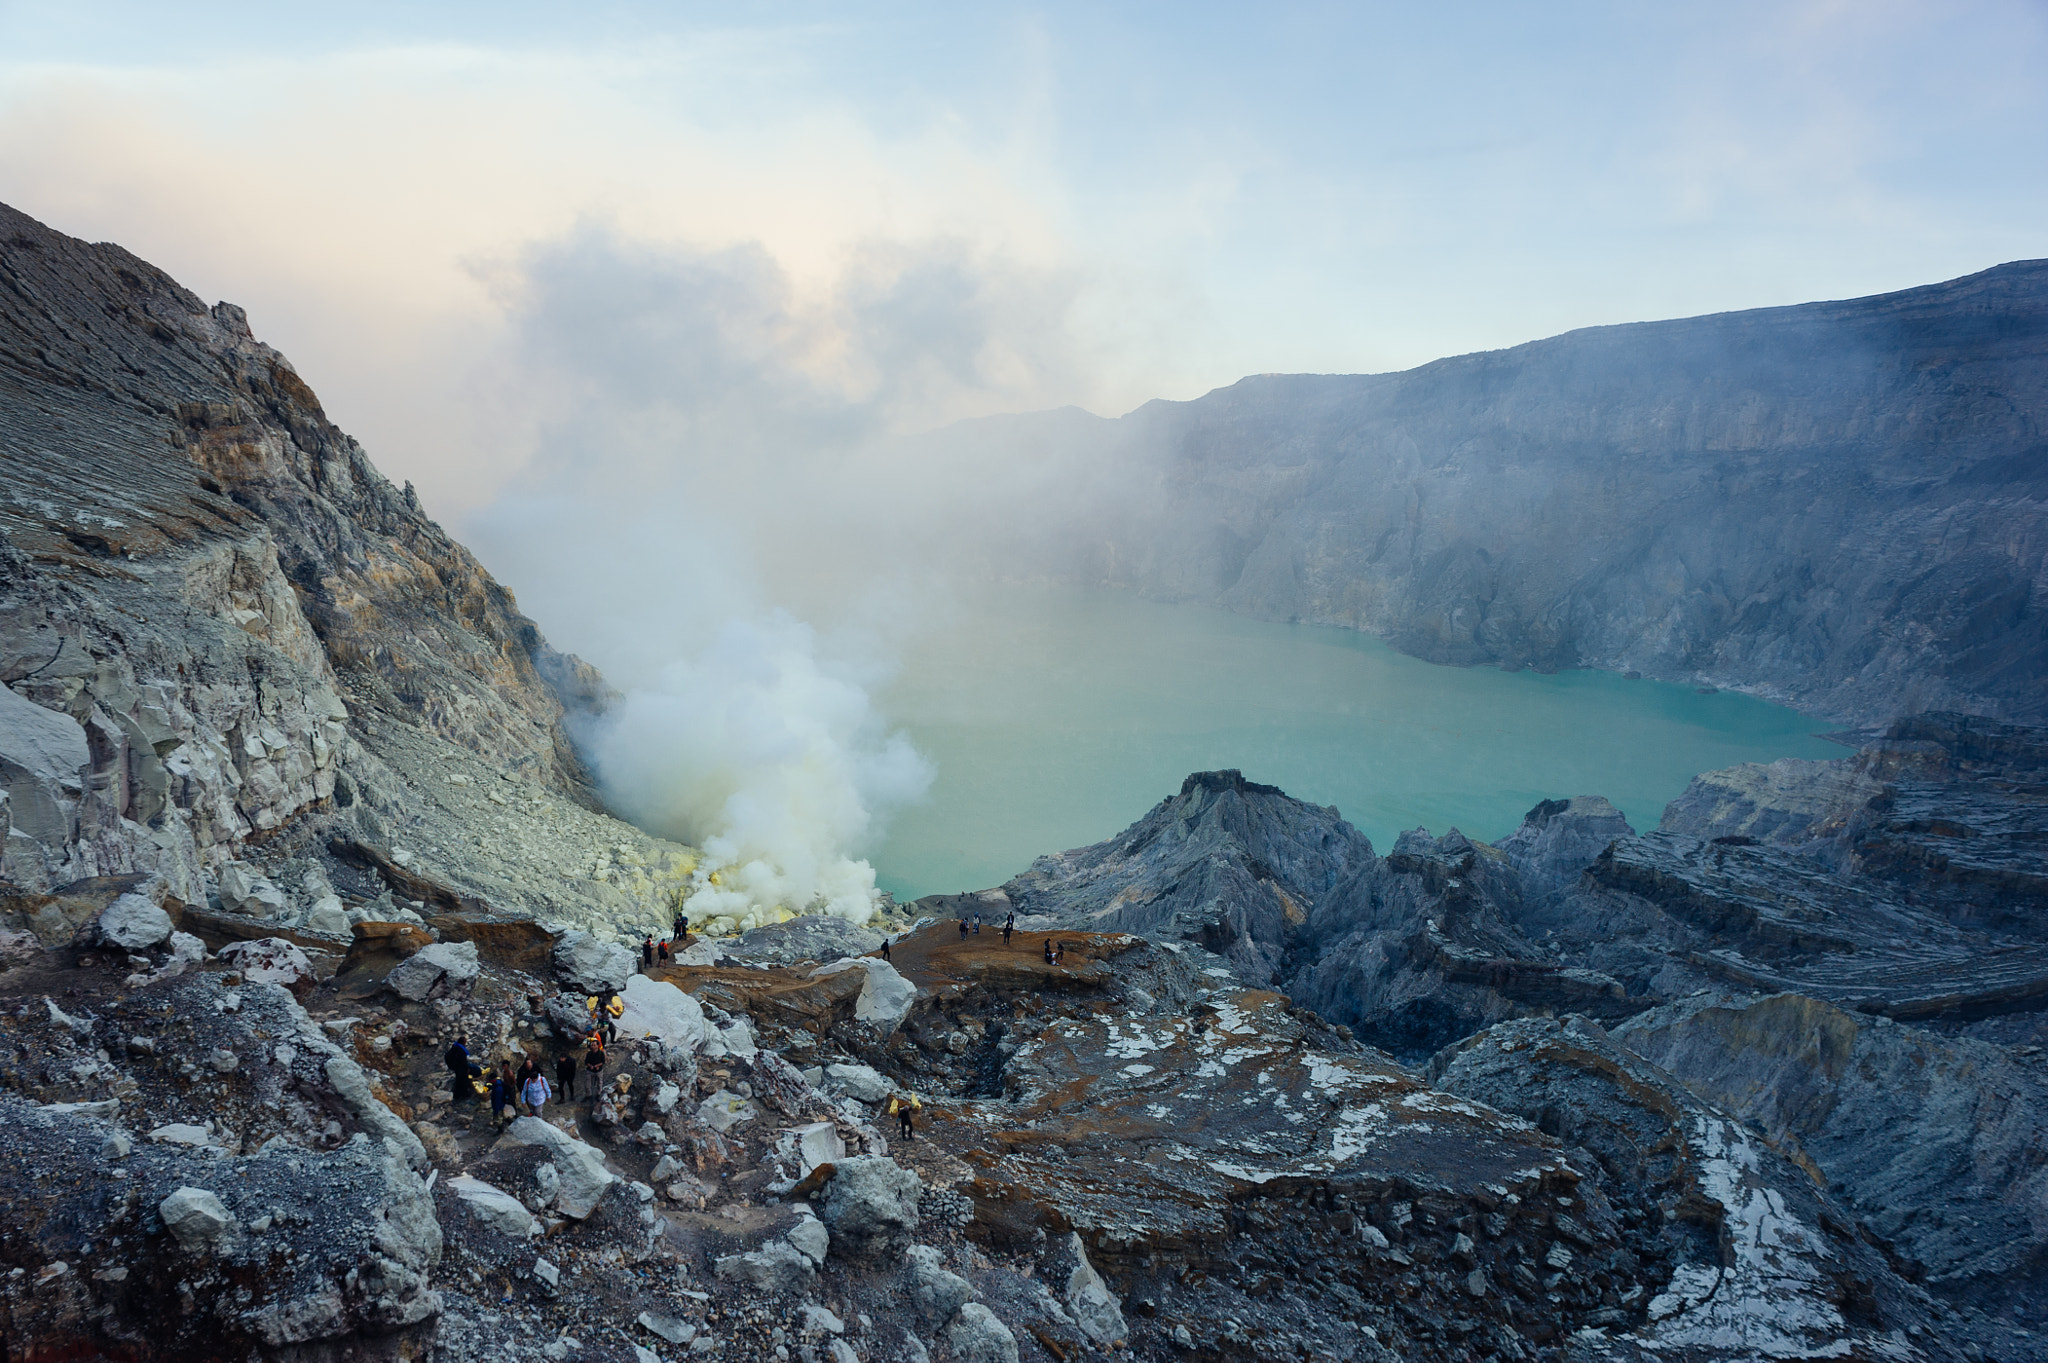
[227,642]
[1842,504]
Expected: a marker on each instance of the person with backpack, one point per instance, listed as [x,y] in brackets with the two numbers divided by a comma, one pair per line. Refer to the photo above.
[901,1105]
[501,1093]
[963,927]
[647,951]
[661,953]
[529,1068]
[535,1093]
[1008,924]
[465,1071]
[1048,951]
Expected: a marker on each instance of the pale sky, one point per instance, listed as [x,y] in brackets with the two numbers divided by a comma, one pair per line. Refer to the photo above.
[1128,201]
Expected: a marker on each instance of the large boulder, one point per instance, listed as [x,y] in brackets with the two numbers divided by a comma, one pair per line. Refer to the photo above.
[133,923]
[777,1266]
[663,1012]
[579,1168]
[196,1218]
[818,1143]
[1089,1300]
[43,756]
[270,960]
[442,970]
[936,1293]
[861,1082]
[724,1110]
[593,965]
[870,1206]
[245,889]
[886,996]
[976,1336]
[327,917]
[811,937]
[494,1207]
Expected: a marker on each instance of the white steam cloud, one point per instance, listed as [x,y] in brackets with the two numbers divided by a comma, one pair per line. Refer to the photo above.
[780,754]
[711,453]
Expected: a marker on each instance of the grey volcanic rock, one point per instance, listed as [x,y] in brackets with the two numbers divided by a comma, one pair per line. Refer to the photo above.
[592,965]
[435,971]
[807,937]
[133,923]
[1939,1145]
[283,1248]
[1230,864]
[1758,1257]
[1789,802]
[1742,499]
[230,644]
[870,1206]
[1559,839]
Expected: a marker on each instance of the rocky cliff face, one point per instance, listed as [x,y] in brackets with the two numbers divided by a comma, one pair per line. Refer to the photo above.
[225,638]
[1839,504]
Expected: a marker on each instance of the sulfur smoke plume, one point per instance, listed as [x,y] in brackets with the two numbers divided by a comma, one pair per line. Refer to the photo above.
[718,511]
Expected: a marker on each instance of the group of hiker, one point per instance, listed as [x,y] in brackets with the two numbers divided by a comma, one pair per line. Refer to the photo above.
[657,952]
[521,1088]
[526,1090]
[1055,952]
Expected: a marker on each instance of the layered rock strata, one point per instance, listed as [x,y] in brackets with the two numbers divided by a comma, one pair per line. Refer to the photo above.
[225,638]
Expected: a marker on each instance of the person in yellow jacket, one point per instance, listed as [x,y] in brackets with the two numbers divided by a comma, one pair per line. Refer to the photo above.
[604,1017]
[901,1105]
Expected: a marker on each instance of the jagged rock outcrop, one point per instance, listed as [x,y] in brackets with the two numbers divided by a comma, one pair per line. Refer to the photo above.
[1228,863]
[1938,1144]
[1754,1259]
[1741,499]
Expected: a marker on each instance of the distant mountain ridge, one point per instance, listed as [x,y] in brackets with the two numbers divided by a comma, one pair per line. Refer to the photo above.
[1839,504]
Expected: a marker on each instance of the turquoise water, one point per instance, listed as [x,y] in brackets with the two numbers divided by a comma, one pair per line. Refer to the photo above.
[1056,718]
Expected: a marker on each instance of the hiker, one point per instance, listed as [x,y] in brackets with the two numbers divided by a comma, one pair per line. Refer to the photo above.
[594,1060]
[963,927]
[502,1095]
[1008,923]
[603,1017]
[977,922]
[901,1105]
[1059,954]
[465,1070]
[647,950]
[565,1074]
[1048,951]
[682,928]
[885,948]
[535,1093]
[529,1069]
